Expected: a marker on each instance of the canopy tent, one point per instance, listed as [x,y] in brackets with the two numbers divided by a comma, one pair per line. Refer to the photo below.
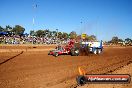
[3,33]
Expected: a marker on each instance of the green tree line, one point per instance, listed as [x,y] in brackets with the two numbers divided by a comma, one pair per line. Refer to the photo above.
[17,29]
[116,40]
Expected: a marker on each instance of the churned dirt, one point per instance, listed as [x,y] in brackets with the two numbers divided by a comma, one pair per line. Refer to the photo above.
[30,67]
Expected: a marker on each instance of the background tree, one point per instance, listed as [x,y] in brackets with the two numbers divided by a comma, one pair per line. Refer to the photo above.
[120,40]
[46,32]
[65,35]
[40,33]
[78,38]
[32,33]
[114,40]
[1,29]
[49,34]
[54,33]
[8,28]
[91,38]
[128,40]
[59,35]
[73,35]
[18,30]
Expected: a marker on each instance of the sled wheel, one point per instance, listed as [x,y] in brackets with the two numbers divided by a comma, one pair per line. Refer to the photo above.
[56,54]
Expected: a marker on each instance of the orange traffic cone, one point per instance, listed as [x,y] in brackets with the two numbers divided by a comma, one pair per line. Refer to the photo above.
[81,71]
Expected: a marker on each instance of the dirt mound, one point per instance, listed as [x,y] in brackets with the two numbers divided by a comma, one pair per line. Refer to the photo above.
[84,51]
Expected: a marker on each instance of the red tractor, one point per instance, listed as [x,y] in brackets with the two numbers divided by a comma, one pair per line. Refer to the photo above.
[69,49]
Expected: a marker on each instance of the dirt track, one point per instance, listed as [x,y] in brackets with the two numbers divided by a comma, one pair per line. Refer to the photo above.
[35,69]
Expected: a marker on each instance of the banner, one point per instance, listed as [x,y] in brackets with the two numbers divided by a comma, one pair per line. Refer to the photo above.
[104,78]
[84,36]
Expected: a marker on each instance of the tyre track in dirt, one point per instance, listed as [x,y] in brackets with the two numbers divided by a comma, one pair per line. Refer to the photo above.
[5,61]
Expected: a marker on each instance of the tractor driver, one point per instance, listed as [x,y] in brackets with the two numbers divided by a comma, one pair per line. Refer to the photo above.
[71,43]
[59,47]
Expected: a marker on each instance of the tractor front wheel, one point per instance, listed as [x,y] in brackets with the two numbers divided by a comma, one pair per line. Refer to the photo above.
[99,51]
[95,51]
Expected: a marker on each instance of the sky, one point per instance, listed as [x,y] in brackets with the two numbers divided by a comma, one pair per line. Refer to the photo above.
[103,18]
